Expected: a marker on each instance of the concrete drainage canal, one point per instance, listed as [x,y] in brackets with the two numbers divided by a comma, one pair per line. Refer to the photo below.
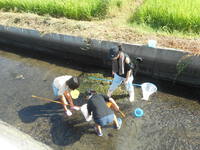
[170,121]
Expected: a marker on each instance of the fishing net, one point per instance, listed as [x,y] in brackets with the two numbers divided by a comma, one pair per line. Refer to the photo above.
[147,90]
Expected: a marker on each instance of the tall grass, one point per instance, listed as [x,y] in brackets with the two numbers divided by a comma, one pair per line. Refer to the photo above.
[170,15]
[75,9]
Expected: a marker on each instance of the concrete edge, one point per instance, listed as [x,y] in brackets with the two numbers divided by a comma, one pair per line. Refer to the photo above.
[12,138]
[162,63]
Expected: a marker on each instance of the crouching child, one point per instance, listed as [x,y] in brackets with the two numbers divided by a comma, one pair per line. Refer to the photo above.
[102,114]
[62,89]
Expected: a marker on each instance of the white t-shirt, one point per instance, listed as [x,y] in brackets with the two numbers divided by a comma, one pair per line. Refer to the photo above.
[60,83]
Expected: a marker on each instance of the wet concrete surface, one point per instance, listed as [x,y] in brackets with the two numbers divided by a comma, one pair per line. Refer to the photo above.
[171,118]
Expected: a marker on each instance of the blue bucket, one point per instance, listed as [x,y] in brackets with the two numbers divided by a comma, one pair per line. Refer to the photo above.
[138,112]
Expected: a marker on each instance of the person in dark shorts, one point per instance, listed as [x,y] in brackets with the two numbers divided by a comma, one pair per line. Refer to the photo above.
[102,115]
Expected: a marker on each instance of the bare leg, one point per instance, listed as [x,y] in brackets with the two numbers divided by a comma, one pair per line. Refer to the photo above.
[131,96]
[116,122]
[109,93]
[98,127]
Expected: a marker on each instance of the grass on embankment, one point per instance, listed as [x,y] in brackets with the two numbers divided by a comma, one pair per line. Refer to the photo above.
[73,9]
[169,15]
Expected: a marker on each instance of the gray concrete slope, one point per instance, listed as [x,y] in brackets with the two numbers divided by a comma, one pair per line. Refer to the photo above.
[13,139]
[167,64]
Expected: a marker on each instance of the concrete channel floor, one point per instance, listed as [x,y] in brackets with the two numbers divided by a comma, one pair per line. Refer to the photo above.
[171,118]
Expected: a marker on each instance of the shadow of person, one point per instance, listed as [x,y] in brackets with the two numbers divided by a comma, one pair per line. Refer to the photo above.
[63,130]
[31,113]
[68,130]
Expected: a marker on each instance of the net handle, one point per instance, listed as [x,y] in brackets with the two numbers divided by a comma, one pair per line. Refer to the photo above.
[106,80]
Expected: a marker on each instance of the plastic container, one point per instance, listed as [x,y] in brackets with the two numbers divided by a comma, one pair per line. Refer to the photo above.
[152,43]
[138,112]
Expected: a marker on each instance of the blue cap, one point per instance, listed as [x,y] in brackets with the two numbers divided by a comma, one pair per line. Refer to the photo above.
[138,112]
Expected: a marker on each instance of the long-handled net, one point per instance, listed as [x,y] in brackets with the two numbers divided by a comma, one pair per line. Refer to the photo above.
[147,87]
[147,90]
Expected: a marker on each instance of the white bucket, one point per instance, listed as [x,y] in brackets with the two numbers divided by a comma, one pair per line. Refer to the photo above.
[147,90]
[84,111]
[152,43]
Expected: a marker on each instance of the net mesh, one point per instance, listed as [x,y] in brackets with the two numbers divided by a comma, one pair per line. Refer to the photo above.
[147,90]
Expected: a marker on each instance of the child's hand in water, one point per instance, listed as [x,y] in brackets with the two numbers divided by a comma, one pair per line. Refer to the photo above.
[68,112]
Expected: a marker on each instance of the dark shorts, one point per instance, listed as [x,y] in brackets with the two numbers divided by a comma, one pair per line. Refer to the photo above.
[105,120]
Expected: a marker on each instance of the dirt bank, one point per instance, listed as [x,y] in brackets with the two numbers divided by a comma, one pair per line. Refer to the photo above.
[112,29]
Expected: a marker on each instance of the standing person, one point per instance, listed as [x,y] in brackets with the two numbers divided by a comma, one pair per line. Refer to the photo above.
[62,86]
[102,115]
[122,71]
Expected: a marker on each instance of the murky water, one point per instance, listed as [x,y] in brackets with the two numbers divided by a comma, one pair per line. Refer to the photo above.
[171,118]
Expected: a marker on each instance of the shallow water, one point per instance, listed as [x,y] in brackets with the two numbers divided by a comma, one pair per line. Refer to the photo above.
[171,116]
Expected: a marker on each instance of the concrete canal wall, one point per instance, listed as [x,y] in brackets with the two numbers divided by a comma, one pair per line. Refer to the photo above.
[13,139]
[167,64]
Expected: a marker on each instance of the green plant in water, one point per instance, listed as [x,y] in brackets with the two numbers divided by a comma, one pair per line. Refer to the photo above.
[182,64]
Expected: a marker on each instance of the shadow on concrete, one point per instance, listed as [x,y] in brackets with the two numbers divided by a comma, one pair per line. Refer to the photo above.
[54,58]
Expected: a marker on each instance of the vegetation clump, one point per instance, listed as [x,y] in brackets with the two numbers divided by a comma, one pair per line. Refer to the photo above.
[170,16]
[72,9]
